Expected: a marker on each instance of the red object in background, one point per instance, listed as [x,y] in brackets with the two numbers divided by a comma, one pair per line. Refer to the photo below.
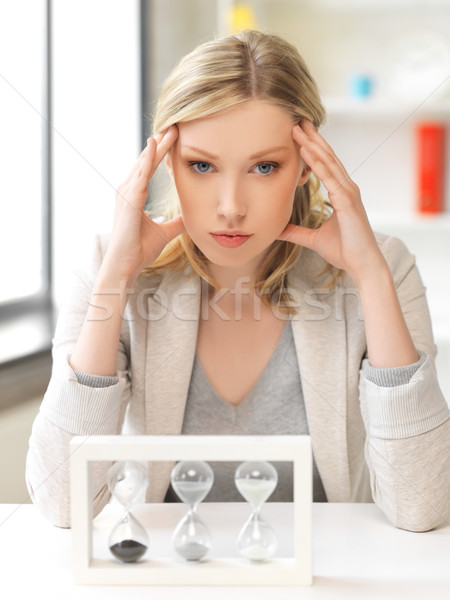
[430,167]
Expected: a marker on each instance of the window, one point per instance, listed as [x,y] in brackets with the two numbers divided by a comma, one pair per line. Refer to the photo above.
[24,177]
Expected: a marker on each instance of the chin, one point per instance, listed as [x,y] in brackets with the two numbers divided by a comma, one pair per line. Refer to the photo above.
[233,258]
[226,259]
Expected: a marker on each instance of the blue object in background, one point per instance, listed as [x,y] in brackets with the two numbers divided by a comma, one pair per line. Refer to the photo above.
[361,86]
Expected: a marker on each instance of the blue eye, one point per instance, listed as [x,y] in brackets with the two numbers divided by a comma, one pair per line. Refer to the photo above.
[201,166]
[265,168]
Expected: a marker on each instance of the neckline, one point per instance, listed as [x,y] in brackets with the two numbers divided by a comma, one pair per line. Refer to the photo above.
[210,390]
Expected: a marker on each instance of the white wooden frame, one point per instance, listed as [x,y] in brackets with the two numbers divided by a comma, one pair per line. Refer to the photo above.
[227,571]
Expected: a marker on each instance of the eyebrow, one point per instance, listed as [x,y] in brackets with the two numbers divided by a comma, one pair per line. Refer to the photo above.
[253,157]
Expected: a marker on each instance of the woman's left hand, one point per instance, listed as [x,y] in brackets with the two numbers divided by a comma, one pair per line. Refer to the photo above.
[345,239]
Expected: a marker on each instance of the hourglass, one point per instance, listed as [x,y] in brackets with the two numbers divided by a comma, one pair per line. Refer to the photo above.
[127,480]
[191,481]
[256,480]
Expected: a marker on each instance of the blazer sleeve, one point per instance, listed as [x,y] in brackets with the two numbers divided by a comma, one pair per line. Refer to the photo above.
[70,408]
[407,445]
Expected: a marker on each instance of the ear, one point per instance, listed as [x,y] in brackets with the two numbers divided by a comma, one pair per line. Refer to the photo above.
[304,176]
[168,164]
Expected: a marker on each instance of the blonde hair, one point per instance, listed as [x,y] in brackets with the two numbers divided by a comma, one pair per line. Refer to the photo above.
[220,74]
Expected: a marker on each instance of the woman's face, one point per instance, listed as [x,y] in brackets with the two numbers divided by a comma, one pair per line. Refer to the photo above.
[236,173]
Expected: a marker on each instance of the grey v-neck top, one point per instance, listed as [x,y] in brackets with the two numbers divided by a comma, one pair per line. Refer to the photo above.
[275,406]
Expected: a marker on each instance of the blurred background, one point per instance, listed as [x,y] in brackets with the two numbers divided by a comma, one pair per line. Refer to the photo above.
[78,81]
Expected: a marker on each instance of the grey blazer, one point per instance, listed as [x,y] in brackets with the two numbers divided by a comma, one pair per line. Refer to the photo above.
[371,443]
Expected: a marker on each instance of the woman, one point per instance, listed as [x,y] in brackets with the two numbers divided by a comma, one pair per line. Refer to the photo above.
[249,308]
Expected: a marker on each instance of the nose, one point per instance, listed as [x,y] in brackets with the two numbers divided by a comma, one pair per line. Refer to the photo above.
[231,203]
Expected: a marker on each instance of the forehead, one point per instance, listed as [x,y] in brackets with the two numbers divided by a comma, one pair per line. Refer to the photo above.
[245,128]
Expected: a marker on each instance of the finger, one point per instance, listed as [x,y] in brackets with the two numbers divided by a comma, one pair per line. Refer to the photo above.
[296,234]
[340,187]
[134,190]
[168,140]
[306,139]
[307,134]
[319,159]
[148,165]
[173,227]
[159,136]
[144,155]
[309,129]
[167,230]
[159,146]
[325,165]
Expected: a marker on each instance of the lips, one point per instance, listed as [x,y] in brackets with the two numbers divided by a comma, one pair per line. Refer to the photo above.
[230,239]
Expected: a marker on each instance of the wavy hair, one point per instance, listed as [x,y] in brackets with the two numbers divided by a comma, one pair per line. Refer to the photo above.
[220,74]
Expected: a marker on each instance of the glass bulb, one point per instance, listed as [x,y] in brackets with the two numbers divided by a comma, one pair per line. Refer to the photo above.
[191,481]
[127,481]
[256,481]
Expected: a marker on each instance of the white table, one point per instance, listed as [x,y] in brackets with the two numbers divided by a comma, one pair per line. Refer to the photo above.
[357,554]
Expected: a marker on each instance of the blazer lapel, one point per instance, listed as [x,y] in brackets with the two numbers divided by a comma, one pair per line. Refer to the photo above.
[172,337]
[320,339]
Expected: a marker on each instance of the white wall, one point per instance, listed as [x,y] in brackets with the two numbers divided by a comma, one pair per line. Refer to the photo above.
[96,119]
[376,141]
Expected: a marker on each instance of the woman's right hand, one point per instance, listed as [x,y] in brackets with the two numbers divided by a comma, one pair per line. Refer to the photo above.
[136,240]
